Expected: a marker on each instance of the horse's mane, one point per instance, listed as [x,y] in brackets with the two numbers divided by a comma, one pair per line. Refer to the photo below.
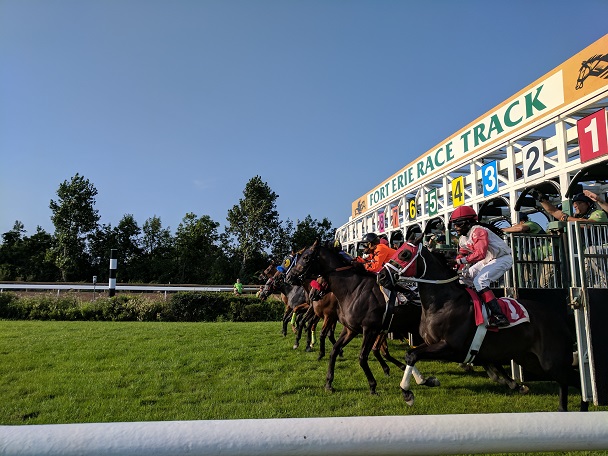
[357,267]
[440,256]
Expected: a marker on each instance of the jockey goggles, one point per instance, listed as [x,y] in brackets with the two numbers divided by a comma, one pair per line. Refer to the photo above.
[459,223]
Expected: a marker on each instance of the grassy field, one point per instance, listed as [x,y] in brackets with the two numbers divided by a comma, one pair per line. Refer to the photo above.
[77,372]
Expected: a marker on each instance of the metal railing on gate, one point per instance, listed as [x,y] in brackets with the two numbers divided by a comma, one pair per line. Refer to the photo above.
[588,244]
[588,247]
[539,261]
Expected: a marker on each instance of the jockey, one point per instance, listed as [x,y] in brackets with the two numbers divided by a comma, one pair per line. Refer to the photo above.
[377,253]
[287,263]
[484,256]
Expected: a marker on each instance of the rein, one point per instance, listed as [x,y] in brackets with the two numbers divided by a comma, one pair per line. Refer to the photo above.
[420,279]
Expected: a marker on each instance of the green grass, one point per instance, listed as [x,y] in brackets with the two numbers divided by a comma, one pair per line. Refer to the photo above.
[78,372]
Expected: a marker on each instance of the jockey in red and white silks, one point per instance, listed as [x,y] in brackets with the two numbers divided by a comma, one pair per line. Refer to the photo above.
[487,256]
[483,258]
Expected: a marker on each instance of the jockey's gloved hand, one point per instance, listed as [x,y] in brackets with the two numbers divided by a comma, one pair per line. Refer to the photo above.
[538,196]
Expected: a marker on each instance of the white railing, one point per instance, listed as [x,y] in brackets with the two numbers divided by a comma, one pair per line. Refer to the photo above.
[353,436]
[100,287]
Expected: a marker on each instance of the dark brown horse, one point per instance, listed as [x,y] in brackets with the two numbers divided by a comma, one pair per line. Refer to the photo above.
[325,306]
[542,346]
[362,307]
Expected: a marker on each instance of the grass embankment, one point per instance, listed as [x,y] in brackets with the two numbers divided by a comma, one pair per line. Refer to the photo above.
[77,372]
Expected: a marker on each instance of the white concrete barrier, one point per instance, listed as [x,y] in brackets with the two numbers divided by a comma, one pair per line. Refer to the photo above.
[354,436]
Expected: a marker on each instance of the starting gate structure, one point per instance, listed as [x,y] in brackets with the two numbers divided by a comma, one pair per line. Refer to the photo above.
[551,136]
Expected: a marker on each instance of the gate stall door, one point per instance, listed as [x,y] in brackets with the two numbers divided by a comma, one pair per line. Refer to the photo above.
[588,246]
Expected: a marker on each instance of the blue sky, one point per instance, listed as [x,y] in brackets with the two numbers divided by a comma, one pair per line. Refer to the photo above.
[170,107]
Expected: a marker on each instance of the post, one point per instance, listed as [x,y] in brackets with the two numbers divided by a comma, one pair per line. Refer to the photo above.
[112,281]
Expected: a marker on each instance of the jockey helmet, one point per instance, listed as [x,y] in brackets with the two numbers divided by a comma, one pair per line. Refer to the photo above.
[463,218]
[370,240]
[463,213]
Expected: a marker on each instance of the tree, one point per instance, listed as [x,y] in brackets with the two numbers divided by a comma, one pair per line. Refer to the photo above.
[100,242]
[128,247]
[156,262]
[196,247]
[308,230]
[253,222]
[39,263]
[12,260]
[73,217]
[283,243]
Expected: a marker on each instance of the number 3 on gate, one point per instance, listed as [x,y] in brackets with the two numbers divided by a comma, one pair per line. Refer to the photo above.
[489,178]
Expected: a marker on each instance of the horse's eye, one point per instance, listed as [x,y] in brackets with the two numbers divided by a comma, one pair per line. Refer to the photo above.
[405,255]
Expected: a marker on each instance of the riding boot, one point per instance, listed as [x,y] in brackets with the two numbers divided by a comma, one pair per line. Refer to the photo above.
[496,319]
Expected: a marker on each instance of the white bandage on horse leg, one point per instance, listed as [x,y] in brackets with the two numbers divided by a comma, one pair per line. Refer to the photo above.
[405,382]
[417,375]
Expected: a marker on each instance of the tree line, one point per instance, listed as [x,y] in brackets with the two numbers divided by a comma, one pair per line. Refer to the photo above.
[198,252]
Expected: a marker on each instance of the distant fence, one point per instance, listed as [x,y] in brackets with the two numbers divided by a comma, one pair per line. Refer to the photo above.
[100,287]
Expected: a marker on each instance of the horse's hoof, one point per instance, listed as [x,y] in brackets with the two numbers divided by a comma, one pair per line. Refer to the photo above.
[408,397]
[329,388]
[466,367]
[373,393]
[295,346]
[320,357]
[523,389]
[431,382]
[387,372]
[309,349]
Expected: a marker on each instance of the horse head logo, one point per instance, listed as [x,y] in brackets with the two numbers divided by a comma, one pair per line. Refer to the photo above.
[360,207]
[595,66]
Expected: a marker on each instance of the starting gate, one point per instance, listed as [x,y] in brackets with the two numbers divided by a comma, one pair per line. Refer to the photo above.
[551,136]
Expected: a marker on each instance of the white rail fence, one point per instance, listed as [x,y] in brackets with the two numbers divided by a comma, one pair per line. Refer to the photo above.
[353,436]
[102,287]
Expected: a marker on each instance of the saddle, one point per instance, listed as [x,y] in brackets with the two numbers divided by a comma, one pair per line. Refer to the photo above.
[515,312]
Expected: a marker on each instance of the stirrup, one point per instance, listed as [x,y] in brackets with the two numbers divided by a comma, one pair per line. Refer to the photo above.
[498,321]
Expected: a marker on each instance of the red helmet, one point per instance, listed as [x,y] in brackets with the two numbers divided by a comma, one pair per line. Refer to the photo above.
[463,212]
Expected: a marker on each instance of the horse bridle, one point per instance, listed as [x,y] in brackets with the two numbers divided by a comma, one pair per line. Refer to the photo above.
[400,270]
[295,266]
[304,273]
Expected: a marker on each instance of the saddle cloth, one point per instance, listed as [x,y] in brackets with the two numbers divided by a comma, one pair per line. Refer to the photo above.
[515,312]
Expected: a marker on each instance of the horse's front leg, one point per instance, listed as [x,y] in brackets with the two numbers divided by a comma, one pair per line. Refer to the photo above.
[286,318]
[331,335]
[380,343]
[498,374]
[386,354]
[345,337]
[369,338]
[324,330]
[420,352]
[299,330]
[310,332]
